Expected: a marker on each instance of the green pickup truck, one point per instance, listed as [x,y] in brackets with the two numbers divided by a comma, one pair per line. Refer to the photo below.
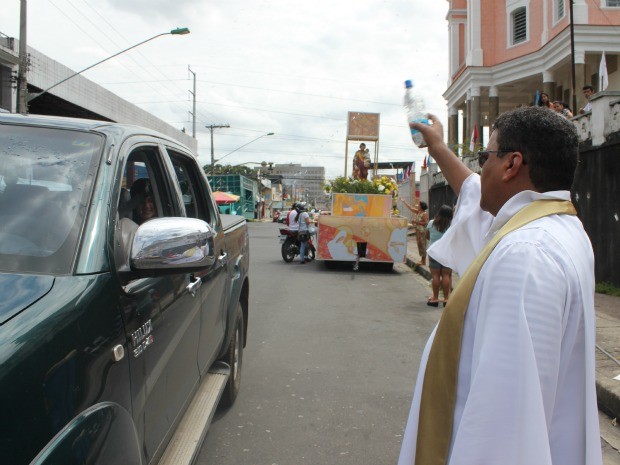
[123,295]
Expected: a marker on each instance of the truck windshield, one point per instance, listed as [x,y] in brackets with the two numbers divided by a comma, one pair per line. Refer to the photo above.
[44,191]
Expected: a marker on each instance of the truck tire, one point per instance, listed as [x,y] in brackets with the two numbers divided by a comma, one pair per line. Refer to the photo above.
[289,250]
[234,358]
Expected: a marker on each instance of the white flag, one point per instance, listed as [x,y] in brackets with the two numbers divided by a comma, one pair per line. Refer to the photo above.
[602,74]
[474,139]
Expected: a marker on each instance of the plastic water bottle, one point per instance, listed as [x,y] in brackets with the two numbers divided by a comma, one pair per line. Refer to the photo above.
[414,106]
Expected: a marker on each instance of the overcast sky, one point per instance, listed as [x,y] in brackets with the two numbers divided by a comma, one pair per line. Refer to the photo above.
[292,68]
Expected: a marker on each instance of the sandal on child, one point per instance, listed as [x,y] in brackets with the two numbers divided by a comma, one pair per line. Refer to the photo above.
[432,303]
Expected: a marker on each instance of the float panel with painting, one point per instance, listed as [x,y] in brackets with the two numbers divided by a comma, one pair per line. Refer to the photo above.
[362,227]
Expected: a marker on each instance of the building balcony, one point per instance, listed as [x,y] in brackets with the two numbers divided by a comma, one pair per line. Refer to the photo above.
[7,42]
[8,51]
[602,124]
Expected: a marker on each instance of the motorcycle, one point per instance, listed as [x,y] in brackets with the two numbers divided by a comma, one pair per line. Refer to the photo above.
[291,245]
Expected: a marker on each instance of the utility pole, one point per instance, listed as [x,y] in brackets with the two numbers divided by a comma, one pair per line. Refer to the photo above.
[572,55]
[23,60]
[211,128]
[194,105]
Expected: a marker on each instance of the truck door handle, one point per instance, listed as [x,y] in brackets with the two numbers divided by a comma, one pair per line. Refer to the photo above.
[223,258]
[193,286]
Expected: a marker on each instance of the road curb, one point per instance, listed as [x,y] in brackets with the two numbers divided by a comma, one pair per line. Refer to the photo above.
[608,400]
[421,270]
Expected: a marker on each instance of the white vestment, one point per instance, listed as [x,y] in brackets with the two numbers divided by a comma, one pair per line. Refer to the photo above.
[526,379]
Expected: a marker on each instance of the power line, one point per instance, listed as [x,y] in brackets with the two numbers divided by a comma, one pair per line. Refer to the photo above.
[141,66]
[157,70]
[300,93]
[346,99]
[86,33]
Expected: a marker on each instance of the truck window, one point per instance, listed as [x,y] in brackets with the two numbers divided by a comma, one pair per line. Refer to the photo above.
[193,190]
[144,194]
[45,182]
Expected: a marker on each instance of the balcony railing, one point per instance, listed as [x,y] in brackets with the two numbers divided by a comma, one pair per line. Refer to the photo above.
[7,42]
[596,126]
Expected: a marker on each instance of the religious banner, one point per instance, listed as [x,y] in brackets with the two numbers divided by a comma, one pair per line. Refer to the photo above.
[363,126]
[386,238]
[368,205]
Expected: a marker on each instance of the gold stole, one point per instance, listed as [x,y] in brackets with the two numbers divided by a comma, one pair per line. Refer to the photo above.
[439,387]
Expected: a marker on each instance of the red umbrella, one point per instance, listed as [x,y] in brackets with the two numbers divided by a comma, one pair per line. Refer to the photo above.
[223,198]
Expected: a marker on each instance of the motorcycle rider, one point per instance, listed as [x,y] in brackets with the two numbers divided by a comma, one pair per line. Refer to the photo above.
[291,217]
[303,225]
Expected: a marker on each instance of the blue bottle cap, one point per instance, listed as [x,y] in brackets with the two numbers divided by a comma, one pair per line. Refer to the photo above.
[408,84]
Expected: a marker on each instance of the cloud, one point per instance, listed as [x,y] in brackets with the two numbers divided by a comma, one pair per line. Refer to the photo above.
[161,9]
[293,68]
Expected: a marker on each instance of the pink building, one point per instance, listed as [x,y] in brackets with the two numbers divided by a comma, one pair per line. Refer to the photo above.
[503,51]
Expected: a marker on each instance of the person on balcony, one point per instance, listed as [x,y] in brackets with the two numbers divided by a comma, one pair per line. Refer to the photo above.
[588,91]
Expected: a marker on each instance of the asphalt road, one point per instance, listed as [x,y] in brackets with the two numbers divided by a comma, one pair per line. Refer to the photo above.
[330,365]
[329,368]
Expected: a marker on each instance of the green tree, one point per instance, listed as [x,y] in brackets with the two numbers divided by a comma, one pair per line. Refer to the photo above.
[230,169]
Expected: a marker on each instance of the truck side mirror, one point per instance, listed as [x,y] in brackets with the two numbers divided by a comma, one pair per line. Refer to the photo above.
[168,245]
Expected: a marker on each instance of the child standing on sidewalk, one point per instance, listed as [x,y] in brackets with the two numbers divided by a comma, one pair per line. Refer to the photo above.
[441,274]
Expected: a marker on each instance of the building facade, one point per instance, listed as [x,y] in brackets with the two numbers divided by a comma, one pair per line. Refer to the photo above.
[301,183]
[503,51]
[237,184]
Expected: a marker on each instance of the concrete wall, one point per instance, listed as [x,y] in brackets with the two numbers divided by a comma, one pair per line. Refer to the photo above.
[596,194]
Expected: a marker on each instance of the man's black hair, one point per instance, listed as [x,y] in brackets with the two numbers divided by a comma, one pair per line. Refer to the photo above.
[588,86]
[548,142]
[423,206]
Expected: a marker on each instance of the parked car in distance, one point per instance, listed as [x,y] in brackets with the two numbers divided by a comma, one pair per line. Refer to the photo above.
[123,295]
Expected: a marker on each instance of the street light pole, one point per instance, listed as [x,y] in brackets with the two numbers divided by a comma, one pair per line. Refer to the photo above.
[23,59]
[177,31]
[194,104]
[572,55]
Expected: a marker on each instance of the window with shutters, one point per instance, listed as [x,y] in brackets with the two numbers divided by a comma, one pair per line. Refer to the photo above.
[613,3]
[519,25]
[559,10]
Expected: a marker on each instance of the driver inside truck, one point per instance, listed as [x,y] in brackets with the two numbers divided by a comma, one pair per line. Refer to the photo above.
[141,195]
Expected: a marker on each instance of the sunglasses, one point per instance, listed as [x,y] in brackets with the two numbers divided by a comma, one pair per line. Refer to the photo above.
[484,155]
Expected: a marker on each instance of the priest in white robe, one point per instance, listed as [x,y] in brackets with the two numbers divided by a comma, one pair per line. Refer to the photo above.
[525,376]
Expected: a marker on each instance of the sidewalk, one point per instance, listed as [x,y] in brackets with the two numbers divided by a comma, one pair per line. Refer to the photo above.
[607,338]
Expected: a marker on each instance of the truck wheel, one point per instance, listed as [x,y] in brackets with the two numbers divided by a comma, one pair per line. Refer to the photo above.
[234,358]
[288,250]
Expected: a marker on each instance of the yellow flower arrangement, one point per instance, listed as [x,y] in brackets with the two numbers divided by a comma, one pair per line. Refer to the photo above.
[379,185]
[385,185]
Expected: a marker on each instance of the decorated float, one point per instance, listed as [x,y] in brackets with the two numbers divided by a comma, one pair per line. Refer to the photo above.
[364,225]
